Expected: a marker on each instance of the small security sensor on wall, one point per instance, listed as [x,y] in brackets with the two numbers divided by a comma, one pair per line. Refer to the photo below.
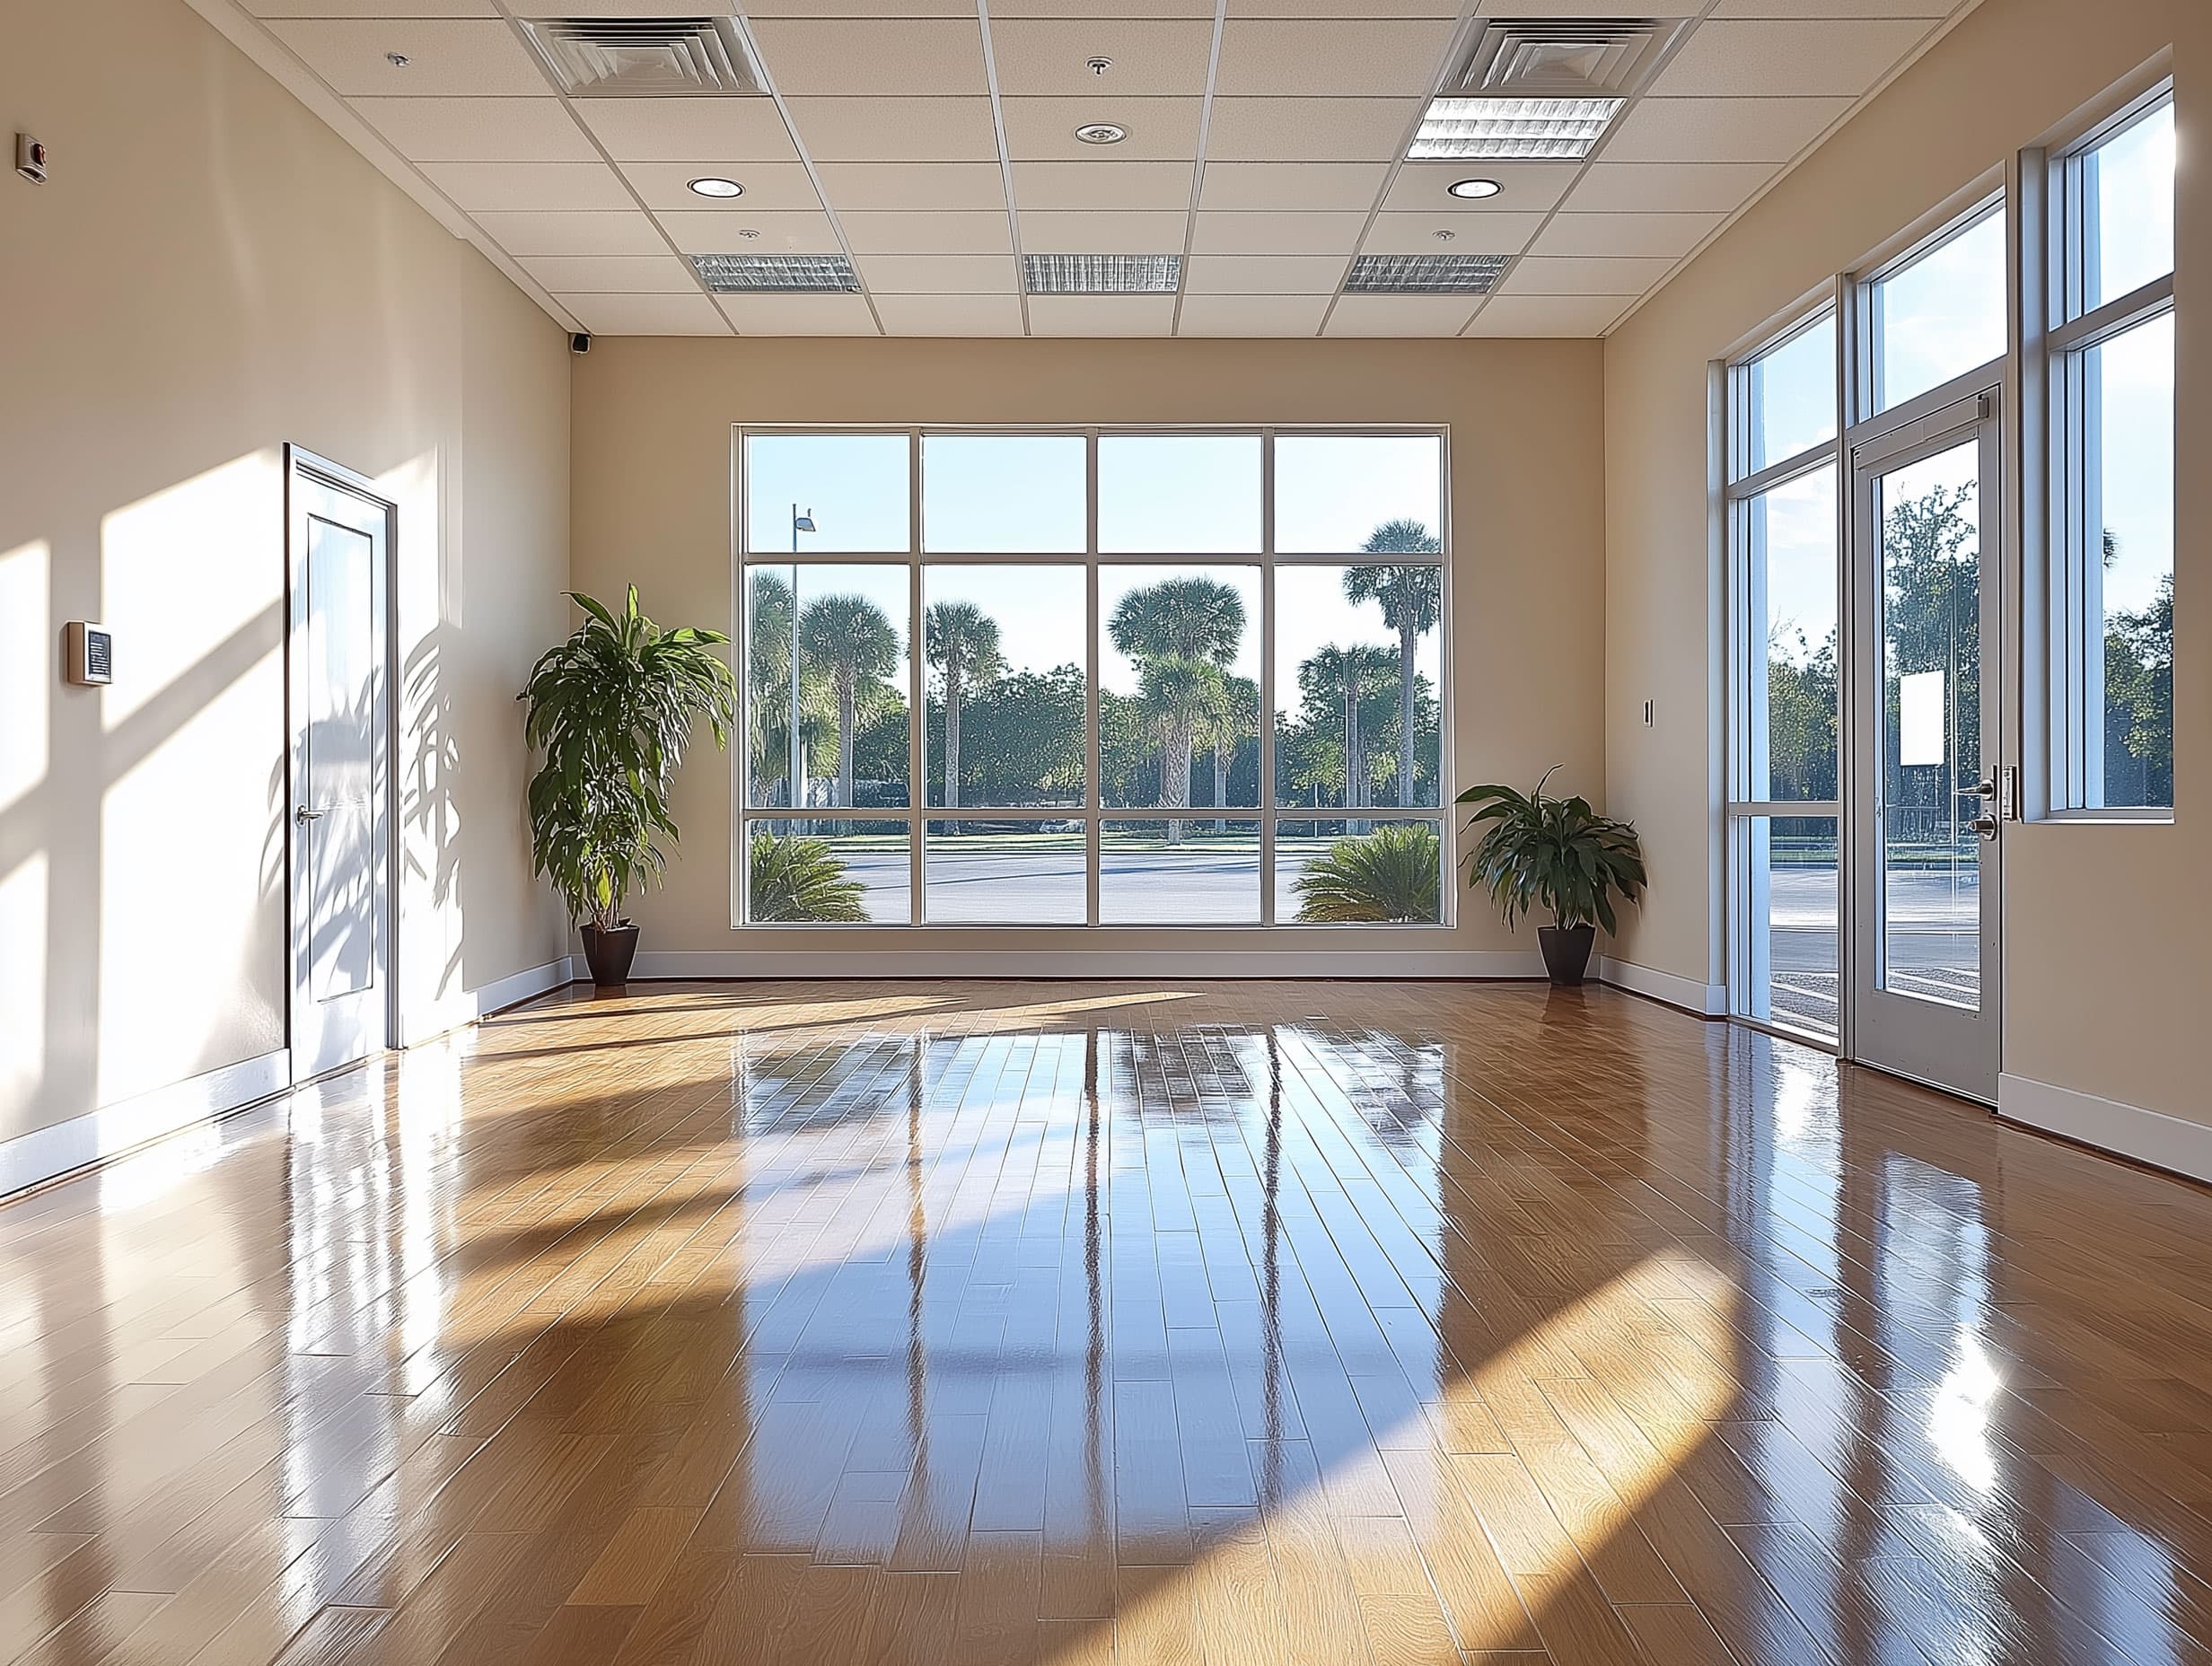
[30,159]
[581,342]
[89,654]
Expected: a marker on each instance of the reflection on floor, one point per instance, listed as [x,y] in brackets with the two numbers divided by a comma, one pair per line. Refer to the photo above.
[1070,1322]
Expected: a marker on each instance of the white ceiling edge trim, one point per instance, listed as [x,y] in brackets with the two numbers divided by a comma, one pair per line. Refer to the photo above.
[250,36]
[1925,45]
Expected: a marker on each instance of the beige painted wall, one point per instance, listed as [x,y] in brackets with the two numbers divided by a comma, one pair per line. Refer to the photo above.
[2105,927]
[210,274]
[652,421]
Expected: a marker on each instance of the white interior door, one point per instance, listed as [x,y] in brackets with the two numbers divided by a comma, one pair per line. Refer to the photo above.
[341,945]
[1924,689]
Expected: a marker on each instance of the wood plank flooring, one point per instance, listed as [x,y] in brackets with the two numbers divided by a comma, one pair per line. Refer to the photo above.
[1076,1323]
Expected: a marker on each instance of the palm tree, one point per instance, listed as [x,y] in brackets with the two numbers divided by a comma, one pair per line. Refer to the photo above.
[1393,873]
[850,638]
[962,641]
[1341,679]
[1176,630]
[1226,730]
[1412,598]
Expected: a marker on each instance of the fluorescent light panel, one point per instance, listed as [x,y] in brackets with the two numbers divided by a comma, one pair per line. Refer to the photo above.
[738,275]
[1102,275]
[1512,127]
[1424,274]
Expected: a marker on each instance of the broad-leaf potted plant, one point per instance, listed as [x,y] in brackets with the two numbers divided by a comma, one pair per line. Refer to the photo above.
[614,707]
[1557,854]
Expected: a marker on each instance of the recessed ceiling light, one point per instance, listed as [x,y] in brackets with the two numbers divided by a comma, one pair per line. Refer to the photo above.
[1474,188]
[713,187]
[1556,128]
[1102,133]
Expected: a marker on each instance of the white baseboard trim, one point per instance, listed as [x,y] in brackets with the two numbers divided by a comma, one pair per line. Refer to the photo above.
[1013,964]
[29,1159]
[2173,1144]
[504,992]
[1711,1000]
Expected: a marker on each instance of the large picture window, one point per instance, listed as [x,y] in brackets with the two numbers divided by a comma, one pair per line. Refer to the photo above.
[1103,677]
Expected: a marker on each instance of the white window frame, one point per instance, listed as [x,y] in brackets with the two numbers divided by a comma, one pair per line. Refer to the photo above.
[2072,668]
[1094,812]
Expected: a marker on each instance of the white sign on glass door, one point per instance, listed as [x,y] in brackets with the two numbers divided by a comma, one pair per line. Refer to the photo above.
[1920,718]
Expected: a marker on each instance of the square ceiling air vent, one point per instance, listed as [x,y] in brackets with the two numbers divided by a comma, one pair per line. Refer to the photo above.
[1541,87]
[742,274]
[1426,275]
[1101,274]
[645,58]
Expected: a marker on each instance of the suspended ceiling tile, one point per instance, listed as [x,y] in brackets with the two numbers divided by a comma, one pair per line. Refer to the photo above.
[521,129]
[1051,57]
[848,57]
[370,8]
[447,58]
[1364,8]
[612,274]
[1836,8]
[1044,130]
[938,275]
[1263,275]
[1584,275]
[1297,185]
[1424,187]
[799,315]
[1203,9]
[722,231]
[1584,8]
[628,232]
[647,315]
[1335,57]
[1251,315]
[1472,234]
[849,8]
[745,129]
[1050,231]
[1751,129]
[1102,315]
[1259,231]
[527,185]
[1668,187]
[1671,234]
[1791,59]
[963,231]
[1296,129]
[892,185]
[667,185]
[951,315]
[1548,315]
[1400,315]
[896,129]
[1108,185]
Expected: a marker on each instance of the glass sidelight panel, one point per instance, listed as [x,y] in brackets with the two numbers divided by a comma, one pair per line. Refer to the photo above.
[1791,938]
[1929,542]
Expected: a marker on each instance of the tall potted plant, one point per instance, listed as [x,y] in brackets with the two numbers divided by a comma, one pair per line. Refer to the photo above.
[613,709]
[1557,854]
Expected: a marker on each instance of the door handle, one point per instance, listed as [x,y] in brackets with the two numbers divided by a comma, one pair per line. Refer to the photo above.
[303,815]
[1984,825]
[1988,789]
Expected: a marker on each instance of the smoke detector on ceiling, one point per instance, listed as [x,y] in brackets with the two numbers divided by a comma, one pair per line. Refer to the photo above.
[645,58]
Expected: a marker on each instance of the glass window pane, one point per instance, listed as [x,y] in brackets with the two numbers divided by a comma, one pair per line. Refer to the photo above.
[2127,200]
[1003,493]
[1005,647]
[853,487]
[1356,665]
[1179,873]
[1789,893]
[827,872]
[1179,494]
[1179,685]
[1788,397]
[1339,872]
[1004,874]
[2128,384]
[850,691]
[1789,577]
[1335,494]
[1941,316]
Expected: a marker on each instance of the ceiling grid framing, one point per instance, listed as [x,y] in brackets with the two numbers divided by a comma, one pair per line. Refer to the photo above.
[1198,168]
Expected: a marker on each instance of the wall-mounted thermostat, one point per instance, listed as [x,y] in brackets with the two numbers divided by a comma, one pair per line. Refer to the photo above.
[30,159]
[91,652]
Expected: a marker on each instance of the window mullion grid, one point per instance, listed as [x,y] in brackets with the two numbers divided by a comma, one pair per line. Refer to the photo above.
[1094,787]
[1266,794]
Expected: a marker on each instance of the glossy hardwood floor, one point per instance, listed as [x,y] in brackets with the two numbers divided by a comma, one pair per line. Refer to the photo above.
[1054,1322]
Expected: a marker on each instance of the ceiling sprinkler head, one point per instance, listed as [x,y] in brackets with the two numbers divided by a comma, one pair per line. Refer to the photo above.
[1102,133]
[747,232]
[1098,66]
[398,60]
[1444,237]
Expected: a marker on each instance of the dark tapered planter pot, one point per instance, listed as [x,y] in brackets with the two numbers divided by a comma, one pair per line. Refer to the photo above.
[1566,951]
[609,954]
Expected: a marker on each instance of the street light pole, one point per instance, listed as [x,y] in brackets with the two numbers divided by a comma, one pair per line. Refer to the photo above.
[793,785]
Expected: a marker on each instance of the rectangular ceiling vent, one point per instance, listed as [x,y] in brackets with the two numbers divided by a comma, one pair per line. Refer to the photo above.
[1541,87]
[744,274]
[1426,275]
[645,58]
[1102,275]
